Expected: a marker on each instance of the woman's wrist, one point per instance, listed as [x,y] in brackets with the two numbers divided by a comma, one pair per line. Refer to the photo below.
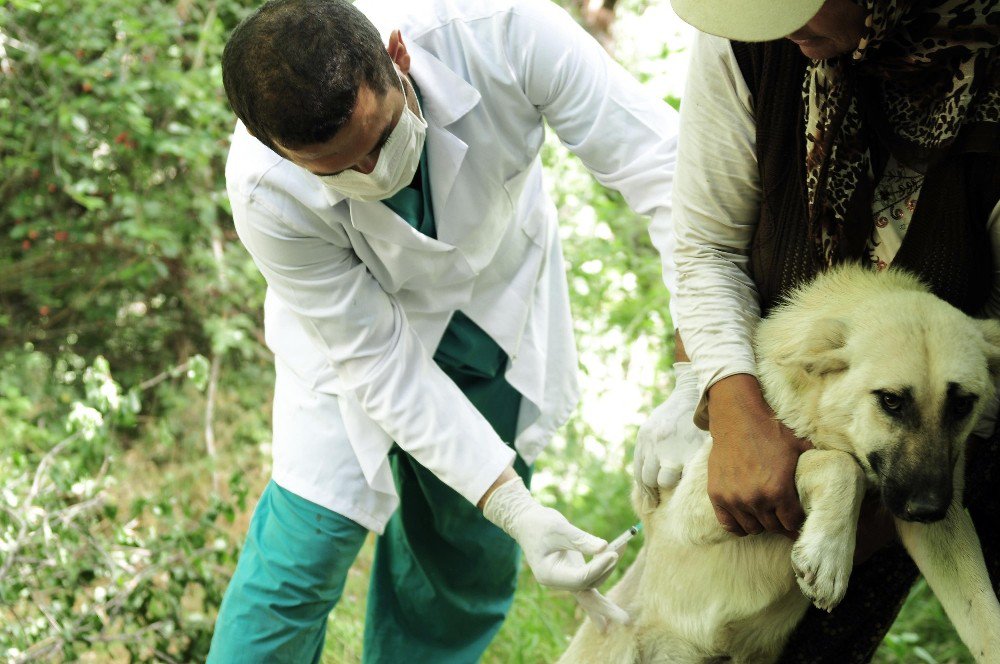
[737,392]
[680,354]
[732,400]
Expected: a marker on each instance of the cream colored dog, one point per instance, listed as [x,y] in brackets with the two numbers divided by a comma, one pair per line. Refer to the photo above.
[887,381]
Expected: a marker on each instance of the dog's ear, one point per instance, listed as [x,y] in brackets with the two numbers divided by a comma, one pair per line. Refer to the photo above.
[991,336]
[822,350]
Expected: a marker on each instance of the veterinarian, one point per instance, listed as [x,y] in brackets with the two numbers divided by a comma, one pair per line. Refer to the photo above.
[417,307]
[848,130]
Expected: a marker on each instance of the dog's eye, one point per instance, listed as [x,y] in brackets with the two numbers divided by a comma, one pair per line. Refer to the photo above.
[891,403]
[962,406]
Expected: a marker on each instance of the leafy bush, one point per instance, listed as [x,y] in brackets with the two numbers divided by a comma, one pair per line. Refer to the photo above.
[112,143]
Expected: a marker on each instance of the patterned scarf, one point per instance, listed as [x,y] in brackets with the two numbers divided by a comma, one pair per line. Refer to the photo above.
[935,66]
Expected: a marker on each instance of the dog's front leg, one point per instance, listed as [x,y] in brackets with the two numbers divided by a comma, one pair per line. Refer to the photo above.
[831,486]
[950,557]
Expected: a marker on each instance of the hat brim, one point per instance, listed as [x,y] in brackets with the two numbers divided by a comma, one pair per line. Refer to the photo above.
[747,20]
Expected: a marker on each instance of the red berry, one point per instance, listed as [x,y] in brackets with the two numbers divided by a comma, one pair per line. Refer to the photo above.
[61,236]
[43,310]
[26,245]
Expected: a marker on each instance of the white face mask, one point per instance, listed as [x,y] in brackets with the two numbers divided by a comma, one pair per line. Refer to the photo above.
[397,161]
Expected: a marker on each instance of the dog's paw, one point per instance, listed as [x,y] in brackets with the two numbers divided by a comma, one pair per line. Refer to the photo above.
[822,568]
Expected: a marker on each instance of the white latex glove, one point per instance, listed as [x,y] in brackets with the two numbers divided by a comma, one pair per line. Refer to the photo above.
[669,437]
[553,547]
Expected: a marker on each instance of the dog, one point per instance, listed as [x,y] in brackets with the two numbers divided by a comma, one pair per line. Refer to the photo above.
[887,381]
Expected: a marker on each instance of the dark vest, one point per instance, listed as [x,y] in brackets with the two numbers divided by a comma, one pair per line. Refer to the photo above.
[947,243]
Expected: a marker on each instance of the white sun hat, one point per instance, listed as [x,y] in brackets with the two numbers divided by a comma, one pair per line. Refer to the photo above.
[747,20]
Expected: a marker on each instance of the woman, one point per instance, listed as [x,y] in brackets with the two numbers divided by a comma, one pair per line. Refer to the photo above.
[871,132]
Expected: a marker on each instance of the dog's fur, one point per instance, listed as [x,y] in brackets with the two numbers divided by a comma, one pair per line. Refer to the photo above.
[827,358]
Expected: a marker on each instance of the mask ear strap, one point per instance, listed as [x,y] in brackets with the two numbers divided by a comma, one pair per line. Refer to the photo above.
[399,77]
[406,105]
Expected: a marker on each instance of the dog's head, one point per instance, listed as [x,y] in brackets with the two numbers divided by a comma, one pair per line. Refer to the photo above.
[898,379]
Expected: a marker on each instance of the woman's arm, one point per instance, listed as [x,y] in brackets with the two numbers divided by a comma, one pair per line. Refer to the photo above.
[717,204]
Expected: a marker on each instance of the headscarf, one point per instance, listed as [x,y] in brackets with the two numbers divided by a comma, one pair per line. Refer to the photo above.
[933,66]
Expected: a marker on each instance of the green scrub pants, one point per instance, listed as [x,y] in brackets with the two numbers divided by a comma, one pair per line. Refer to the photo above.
[442,581]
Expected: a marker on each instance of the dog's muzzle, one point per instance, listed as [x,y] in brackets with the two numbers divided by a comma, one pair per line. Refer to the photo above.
[922,504]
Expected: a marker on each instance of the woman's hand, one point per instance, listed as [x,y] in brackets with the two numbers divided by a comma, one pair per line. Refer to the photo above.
[751,469]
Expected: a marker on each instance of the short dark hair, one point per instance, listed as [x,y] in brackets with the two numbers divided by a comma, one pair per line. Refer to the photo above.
[292,69]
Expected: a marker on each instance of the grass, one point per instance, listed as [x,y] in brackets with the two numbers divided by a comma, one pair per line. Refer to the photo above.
[923,633]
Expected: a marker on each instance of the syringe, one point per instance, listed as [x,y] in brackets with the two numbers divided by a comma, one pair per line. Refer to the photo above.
[624,538]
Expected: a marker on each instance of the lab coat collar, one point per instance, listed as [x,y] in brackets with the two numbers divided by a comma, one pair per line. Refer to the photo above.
[446,95]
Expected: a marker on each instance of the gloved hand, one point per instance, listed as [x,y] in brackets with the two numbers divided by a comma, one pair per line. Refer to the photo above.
[669,437]
[553,547]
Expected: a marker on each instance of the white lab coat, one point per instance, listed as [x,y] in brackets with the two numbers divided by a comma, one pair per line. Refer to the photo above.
[358,300]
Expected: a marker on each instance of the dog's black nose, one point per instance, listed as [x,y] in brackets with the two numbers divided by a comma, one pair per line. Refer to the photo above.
[925,508]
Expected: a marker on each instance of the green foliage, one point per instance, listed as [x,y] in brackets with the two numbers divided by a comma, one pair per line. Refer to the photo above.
[119,253]
[112,144]
[922,633]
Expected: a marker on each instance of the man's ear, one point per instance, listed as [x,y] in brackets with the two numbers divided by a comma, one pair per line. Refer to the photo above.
[397,51]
